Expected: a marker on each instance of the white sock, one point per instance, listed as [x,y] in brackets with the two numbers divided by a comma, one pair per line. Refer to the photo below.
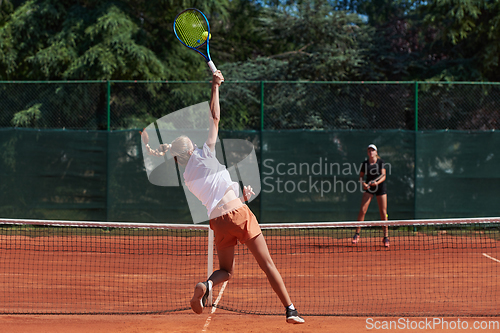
[291,307]
[210,285]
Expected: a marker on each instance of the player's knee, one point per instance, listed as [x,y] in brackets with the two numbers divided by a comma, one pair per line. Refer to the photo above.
[229,274]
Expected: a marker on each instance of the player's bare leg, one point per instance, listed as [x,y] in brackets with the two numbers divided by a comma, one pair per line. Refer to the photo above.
[260,251]
[382,207]
[224,273]
[365,203]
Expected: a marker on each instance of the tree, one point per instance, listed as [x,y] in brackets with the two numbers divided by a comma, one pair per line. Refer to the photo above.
[466,34]
[306,42]
[397,49]
[300,41]
[97,40]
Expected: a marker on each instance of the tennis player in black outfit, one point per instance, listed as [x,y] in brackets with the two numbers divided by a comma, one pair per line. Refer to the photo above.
[374,170]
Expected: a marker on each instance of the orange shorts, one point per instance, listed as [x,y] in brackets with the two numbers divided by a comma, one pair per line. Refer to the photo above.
[232,222]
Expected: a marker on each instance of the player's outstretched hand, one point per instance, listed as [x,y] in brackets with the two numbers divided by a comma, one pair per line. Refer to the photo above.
[247,192]
[217,78]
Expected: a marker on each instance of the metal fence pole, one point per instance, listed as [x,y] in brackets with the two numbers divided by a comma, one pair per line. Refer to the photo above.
[415,154]
[261,139]
[108,112]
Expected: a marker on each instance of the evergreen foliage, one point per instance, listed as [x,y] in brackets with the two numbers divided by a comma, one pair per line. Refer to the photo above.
[255,40]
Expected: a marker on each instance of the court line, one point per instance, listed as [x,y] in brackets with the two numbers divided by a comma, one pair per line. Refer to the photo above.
[490,257]
[214,307]
[360,275]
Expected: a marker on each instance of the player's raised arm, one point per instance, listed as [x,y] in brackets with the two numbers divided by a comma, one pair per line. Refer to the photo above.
[213,131]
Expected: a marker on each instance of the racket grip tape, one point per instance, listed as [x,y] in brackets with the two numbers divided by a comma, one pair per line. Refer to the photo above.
[212,66]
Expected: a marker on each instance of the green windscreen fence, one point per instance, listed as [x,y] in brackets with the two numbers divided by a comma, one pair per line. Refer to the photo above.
[457,174]
[305,175]
[53,173]
[313,176]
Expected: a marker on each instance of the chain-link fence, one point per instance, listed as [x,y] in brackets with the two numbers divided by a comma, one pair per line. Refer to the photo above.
[458,106]
[79,105]
[87,164]
[116,105]
[326,106]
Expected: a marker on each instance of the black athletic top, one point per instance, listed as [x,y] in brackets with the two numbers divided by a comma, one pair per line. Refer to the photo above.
[372,172]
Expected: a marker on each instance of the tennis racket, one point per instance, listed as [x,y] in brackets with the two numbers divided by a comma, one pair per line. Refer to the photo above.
[378,178]
[192,29]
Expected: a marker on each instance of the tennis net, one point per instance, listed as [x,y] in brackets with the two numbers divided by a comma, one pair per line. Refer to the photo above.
[432,267]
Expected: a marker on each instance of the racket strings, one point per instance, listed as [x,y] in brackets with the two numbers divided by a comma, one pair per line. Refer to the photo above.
[190,28]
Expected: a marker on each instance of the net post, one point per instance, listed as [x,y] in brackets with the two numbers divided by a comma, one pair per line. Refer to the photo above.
[210,261]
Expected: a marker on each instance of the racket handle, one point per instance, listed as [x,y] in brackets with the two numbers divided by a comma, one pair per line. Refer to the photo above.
[212,66]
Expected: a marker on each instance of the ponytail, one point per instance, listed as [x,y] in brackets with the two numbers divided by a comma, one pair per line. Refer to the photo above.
[155,152]
[179,148]
[160,151]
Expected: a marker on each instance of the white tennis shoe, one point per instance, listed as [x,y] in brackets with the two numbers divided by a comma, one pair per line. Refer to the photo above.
[292,317]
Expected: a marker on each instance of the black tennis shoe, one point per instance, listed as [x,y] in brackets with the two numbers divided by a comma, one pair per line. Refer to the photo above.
[355,238]
[199,300]
[292,317]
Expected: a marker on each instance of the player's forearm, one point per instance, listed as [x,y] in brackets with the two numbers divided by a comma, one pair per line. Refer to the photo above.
[214,103]
[381,180]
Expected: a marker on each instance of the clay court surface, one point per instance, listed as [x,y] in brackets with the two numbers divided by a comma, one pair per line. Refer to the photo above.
[321,273]
[220,321]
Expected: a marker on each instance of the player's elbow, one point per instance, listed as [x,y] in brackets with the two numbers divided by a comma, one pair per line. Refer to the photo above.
[229,274]
[216,119]
[215,127]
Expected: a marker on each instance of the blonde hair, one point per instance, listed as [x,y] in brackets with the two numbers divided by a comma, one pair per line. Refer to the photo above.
[179,148]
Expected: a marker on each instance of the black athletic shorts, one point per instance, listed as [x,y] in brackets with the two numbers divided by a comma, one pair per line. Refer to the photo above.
[381,189]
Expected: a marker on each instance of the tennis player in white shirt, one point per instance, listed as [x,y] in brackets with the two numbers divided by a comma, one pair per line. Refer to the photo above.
[230,218]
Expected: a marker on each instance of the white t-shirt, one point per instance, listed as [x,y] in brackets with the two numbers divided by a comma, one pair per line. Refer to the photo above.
[207,179]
